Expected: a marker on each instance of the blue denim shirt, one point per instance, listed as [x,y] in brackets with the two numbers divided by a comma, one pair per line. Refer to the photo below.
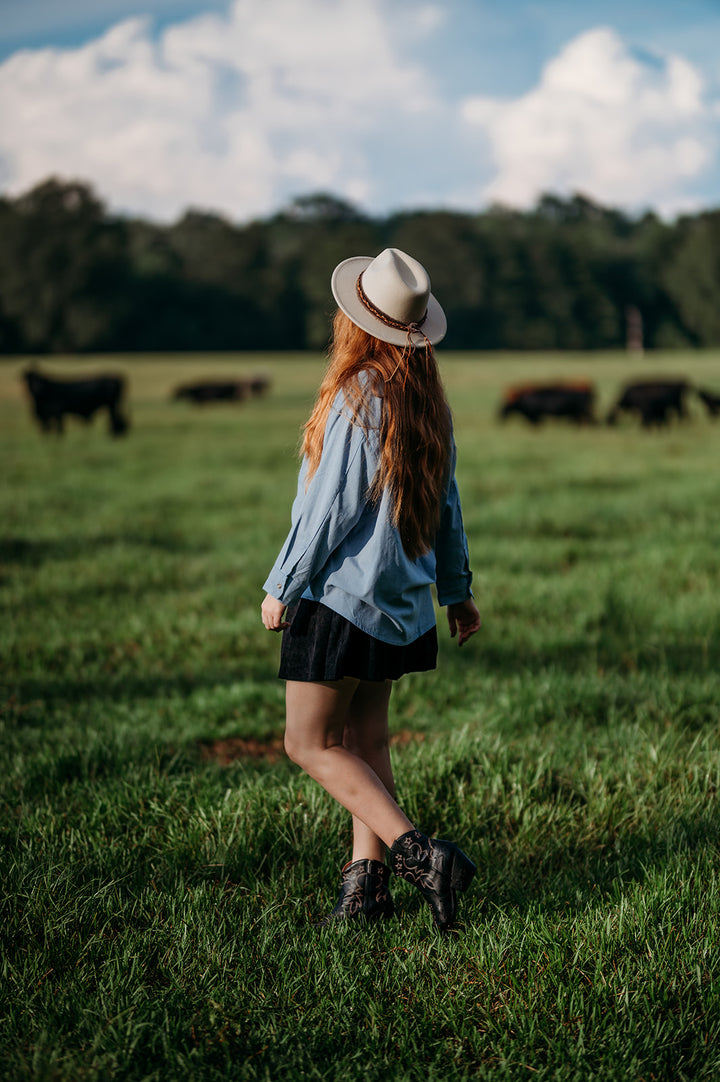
[344,551]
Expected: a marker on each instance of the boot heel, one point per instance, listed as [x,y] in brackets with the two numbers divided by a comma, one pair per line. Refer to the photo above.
[463,871]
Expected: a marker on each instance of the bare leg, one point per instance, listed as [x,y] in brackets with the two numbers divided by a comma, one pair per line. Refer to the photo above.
[317,714]
[358,775]
[367,736]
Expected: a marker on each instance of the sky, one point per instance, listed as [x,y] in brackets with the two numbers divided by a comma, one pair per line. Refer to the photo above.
[240,106]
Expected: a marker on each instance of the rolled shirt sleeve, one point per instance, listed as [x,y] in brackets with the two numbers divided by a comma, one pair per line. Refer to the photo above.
[453,577]
[326,509]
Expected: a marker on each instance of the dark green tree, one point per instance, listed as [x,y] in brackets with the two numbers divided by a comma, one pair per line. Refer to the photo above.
[563,276]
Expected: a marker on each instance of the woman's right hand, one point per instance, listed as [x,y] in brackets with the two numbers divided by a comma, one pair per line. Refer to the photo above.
[272,614]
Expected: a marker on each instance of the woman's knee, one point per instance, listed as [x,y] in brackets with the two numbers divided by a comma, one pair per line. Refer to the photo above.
[307,753]
[315,715]
[296,749]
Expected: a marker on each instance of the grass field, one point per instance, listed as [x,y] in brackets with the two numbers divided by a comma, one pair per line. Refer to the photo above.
[161,860]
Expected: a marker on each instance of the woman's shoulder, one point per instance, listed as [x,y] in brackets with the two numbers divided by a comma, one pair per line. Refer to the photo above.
[360,399]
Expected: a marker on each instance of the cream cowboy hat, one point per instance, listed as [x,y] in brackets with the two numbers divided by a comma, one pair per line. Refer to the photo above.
[389,297]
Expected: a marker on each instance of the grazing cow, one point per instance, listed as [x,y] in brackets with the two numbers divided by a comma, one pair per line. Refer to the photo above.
[573,401]
[712,401]
[654,401]
[259,385]
[212,391]
[53,398]
[223,390]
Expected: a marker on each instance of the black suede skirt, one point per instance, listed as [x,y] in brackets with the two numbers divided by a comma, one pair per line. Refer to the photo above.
[321,645]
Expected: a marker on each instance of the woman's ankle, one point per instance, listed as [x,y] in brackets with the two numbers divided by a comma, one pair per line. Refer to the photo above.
[407,838]
[364,852]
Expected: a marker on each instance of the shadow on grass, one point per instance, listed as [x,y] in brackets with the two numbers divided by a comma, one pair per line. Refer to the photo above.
[62,690]
[569,876]
[629,633]
[31,552]
[604,654]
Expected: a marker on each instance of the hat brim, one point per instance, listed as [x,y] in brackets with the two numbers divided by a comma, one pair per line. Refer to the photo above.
[344,288]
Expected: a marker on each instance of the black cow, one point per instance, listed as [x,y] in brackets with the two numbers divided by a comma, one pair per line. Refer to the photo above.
[53,398]
[712,401]
[212,391]
[222,390]
[573,401]
[654,401]
[259,385]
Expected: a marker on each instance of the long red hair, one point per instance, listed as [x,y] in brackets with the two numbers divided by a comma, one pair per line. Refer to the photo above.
[415,432]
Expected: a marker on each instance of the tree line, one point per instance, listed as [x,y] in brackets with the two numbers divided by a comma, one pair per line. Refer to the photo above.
[569,274]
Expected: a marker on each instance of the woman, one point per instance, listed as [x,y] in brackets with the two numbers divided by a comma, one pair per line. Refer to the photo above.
[376,521]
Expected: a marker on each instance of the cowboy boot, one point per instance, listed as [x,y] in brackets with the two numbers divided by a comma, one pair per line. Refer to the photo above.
[364,894]
[437,868]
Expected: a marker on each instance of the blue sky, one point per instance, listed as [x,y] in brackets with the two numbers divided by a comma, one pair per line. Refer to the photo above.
[238,106]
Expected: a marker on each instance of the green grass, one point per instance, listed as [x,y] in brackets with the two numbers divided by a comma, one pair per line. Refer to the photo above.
[156,902]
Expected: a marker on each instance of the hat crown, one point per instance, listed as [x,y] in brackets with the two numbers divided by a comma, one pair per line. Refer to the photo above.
[397,285]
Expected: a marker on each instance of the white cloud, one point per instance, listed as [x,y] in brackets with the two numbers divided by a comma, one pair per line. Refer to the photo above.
[625,130]
[225,112]
[240,112]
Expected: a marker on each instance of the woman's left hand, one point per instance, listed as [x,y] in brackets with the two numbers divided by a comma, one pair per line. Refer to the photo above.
[464,620]
[272,614]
